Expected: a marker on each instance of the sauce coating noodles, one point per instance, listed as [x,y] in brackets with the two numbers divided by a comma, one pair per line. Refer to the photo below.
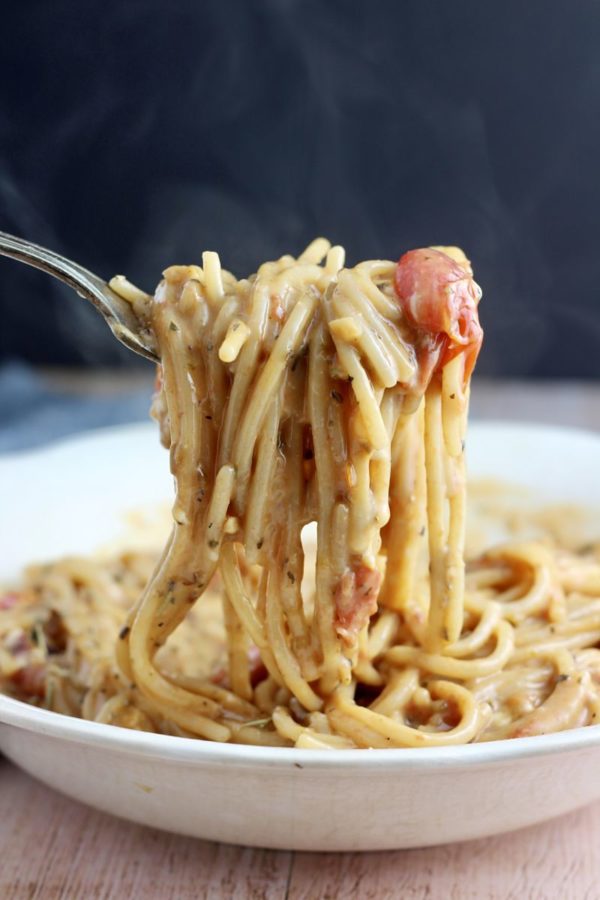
[313,591]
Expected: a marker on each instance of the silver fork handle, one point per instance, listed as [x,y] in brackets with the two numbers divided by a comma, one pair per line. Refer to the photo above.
[119,315]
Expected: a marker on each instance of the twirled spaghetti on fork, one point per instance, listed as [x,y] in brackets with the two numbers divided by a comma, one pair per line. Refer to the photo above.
[313,394]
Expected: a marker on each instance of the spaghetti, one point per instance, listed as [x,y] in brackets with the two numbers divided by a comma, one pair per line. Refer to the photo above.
[313,591]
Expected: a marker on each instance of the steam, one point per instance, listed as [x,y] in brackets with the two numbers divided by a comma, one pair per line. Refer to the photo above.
[250,127]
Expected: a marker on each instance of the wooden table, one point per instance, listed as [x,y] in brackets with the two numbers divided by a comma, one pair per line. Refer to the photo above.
[52,847]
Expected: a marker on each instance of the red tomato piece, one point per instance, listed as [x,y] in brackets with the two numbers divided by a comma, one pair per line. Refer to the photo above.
[31,680]
[8,601]
[355,600]
[439,297]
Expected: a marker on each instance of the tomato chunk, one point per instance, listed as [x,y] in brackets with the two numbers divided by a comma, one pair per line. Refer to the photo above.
[8,601]
[355,600]
[439,297]
[31,680]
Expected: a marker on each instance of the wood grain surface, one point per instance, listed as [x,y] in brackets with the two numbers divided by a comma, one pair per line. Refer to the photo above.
[55,849]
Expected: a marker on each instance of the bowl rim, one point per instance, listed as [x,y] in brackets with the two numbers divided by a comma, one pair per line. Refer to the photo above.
[194,751]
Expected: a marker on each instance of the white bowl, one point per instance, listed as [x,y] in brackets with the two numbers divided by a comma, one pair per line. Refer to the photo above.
[71,498]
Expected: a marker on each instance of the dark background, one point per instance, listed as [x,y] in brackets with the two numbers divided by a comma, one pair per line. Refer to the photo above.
[134,135]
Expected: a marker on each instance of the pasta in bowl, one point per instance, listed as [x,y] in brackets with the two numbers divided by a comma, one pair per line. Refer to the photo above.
[312,393]
[282,796]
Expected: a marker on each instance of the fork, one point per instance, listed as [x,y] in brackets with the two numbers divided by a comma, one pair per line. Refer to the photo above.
[117,312]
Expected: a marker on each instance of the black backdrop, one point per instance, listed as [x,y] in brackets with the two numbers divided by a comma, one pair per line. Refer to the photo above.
[136,134]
